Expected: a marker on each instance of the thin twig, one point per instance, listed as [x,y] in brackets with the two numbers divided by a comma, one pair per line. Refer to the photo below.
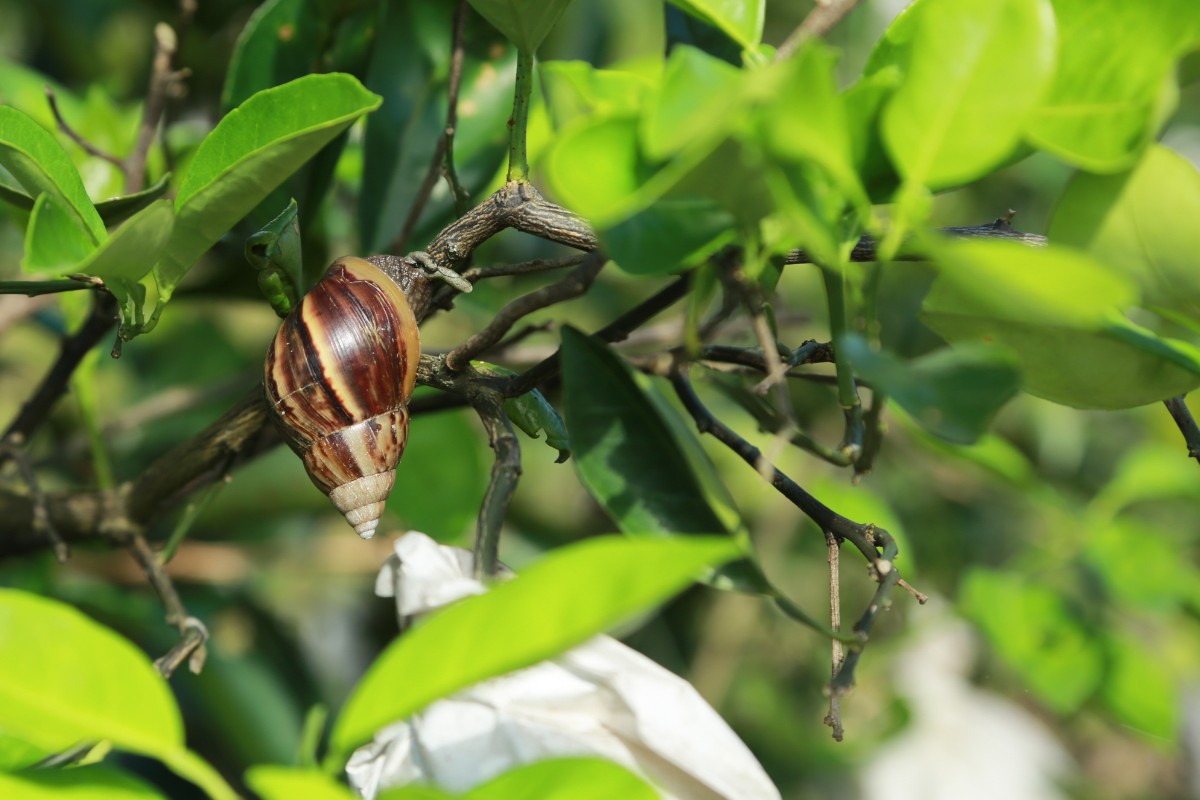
[74,347]
[10,448]
[162,82]
[74,136]
[865,250]
[1178,408]
[400,244]
[191,631]
[506,472]
[825,15]
[458,192]
[834,549]
[476,274]
[573,285]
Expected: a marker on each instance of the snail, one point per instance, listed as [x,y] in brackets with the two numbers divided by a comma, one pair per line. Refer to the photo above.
[340,373]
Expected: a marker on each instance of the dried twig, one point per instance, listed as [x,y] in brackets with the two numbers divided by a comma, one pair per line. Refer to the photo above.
[74,136]
[825,15]
[192,632]
[834,548]
[444,147]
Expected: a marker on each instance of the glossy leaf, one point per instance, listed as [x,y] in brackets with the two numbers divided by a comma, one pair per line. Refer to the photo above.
[533,414]
[524,22]
[48,703]
[277,44]
[90,782]
[250,152]
[1059,311]
[1143,223]
[55,241]
[669,236]
[569,595]
[1032,630]
[286,783]
[116,210]
[740,20]
[952,393]
[625,454]
[565,779]
[1109,94]
[40,164]
[974,71]
[275,252]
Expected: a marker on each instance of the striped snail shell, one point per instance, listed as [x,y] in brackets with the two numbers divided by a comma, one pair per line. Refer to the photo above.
[339,376]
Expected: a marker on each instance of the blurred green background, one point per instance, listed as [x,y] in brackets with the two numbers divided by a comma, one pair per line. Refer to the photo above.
[1058,656]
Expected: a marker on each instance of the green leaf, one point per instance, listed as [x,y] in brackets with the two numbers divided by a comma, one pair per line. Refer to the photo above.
[271,782]
[696,100]
[973,72]
[953,393]
[279,43]
[1110,92]
[532,413]
[49,703]
[568,596]
[90,782]
[740,20]
[1032,630]
[116,210]
[670,236]
[250,152]
[1139,690]
[1059,311]
[128,256]
[1143,223]
[626,455]
[565,779]
[576,90]
[525,23]
[276,253]
[55,241]
[40,164]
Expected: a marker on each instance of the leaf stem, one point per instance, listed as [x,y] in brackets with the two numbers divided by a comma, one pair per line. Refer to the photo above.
[35,288]
[518,124]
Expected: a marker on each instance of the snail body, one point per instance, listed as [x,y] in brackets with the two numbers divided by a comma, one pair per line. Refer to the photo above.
[339,375]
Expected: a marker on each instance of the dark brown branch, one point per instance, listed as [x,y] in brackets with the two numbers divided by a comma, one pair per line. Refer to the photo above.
[573,285]
[1177,406]
[444,143]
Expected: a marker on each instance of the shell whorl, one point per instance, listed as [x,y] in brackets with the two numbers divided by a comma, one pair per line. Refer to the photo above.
[338,379]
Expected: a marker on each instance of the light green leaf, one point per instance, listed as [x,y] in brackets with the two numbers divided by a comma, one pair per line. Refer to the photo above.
[532,413]
[565,779]
[275,251]
[1034,633]
[271,782]
[91,782]
[740,20]
[568,596]
[250,152]
[974,71]
[426,477]
[1110,92]
[696,100]
[1139,689]
[1060,312]
[55,240]
[116,210]
[50,703]
[577,90]
[1143,223]
[953,393]
[40,164]
[524,22]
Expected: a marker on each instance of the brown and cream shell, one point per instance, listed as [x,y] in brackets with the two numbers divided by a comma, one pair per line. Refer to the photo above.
[338,379]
